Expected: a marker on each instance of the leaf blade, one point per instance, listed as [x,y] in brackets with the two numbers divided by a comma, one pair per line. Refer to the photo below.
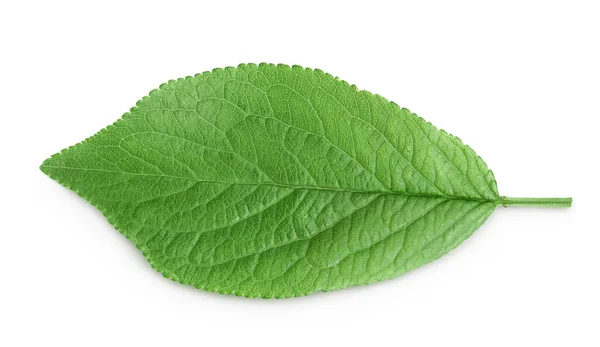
[244,138]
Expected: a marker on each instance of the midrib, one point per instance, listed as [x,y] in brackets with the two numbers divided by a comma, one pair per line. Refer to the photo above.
[275,184]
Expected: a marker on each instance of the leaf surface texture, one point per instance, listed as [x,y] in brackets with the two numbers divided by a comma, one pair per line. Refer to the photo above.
[276,181]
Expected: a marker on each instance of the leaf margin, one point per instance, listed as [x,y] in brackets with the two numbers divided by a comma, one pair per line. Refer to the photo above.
[354,88]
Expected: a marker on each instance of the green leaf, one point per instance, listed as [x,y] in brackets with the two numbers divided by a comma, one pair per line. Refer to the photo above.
[271,181]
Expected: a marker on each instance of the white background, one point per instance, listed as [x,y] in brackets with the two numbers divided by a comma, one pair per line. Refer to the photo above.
[518,81]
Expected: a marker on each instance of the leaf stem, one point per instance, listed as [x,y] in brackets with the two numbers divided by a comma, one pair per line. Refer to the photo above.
[537,202]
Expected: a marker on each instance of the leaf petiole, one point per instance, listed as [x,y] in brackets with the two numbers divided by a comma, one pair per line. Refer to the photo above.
[535,202]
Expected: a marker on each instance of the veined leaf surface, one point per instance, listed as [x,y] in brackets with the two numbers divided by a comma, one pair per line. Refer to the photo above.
[276,181]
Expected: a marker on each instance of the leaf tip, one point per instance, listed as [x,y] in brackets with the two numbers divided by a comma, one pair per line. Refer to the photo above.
[45,166]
